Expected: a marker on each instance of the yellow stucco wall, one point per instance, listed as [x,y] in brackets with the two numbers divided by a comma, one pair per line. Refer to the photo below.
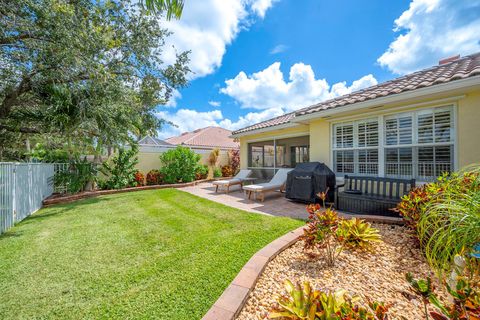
[320,141]
[150,160]
[467,128]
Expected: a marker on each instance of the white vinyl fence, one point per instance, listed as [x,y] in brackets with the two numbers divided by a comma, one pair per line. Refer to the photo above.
[23,187]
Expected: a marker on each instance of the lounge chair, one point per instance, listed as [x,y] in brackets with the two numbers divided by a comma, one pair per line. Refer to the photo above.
[278,182]
[238,179]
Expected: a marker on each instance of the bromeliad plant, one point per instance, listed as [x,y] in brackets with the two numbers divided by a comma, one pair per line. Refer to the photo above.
[325,230]
[357,234]
[304,303]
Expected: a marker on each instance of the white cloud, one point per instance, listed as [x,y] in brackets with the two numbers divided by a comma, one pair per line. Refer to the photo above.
[206,28]
[215,103]
[251,118]
[260,7]
[433,29]
[268,89]
[278,49]
[188,120]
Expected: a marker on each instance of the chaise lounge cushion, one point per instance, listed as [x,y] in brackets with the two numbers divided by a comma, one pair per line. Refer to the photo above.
[262,187]
[238,179]
[277,182]
[227,182]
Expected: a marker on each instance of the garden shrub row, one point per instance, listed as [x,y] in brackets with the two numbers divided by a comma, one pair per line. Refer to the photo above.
[179,165]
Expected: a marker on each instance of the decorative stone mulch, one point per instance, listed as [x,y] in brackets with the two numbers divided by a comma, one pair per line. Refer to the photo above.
[379,274]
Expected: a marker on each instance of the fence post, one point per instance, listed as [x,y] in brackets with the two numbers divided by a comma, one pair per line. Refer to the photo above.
[14,193]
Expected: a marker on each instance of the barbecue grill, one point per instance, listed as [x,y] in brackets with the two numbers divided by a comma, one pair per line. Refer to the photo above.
[309,178]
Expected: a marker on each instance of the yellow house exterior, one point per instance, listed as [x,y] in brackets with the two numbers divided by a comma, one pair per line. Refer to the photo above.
[416,133]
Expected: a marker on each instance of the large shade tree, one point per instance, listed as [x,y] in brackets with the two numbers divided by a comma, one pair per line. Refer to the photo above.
[172,8]
[87,71]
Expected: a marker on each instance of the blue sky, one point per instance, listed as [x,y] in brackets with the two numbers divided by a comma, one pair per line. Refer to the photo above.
[255,59]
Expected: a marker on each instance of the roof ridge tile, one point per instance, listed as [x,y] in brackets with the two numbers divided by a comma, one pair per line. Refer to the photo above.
[464,67]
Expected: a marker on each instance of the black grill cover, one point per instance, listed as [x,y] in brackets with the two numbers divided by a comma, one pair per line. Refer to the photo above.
[309,178]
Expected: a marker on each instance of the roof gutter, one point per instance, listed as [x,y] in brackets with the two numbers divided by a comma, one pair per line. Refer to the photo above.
[267,129]
[399,97]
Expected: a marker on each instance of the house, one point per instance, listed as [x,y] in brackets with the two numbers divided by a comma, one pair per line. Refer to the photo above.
[418,125]
[202,141]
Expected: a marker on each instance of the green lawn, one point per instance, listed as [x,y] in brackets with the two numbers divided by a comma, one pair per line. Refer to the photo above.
[160,254]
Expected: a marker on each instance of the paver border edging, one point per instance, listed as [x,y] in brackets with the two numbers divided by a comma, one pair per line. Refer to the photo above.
[232,300]
[96,193]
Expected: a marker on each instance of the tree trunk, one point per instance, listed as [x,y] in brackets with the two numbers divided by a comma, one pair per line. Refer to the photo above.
[29,150]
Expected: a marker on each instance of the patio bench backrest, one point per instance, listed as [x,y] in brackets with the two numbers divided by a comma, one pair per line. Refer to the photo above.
[392,188]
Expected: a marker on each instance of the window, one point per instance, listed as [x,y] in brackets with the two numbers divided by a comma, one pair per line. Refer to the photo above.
[256,156]
[419,144]
[345,161]
[356,147]
[299,154]
[416,144]
[278,153]
[261,155]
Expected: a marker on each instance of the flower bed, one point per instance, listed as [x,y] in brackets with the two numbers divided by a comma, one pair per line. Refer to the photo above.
[66,198]
[379,275]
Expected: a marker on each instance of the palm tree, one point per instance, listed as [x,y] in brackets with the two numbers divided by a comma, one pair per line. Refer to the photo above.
[173,8]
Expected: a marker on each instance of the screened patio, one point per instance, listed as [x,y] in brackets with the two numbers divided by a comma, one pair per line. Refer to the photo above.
[265,157]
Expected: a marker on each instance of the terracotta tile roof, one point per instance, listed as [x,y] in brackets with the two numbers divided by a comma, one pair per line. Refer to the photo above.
[468,66]
[209,137]
[462,68]
[268,123]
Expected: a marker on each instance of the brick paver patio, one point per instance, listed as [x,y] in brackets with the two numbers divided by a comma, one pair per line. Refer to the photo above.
[275,203]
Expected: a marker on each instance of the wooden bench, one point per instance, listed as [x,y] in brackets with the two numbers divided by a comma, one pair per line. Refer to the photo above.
[371,195]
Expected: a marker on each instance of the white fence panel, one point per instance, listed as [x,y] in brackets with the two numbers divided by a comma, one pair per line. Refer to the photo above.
[23,187]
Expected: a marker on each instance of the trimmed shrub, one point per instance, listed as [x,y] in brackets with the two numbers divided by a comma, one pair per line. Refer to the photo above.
[217,172]
[120,170]
[139,179]
[154,177]
[227,171]
[179,164]
[201,171]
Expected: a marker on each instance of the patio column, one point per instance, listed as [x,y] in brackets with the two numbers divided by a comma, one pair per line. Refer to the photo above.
[274,155]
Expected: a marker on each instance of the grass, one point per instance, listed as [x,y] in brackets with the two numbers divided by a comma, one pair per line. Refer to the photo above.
[160,254]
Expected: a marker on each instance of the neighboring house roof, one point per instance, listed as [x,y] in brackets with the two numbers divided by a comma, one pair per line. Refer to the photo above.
[152,141]
[209,137]
[448,70]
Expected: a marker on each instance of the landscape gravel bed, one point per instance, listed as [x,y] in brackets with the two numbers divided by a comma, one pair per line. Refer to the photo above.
[379,274]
